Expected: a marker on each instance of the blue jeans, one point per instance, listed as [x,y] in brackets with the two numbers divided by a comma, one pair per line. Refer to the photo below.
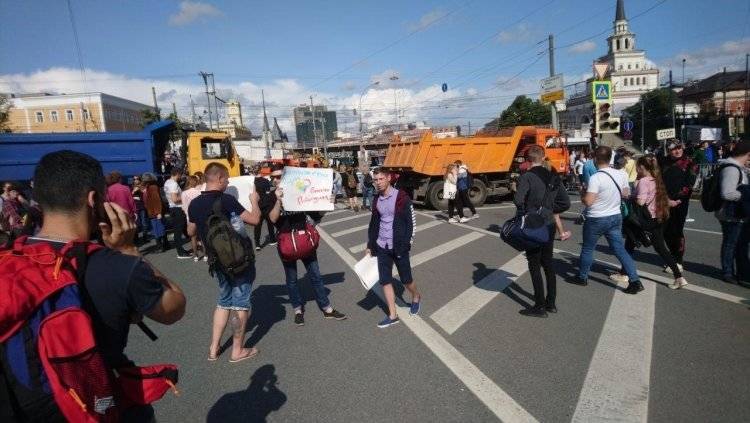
[734,249]
[313,273]
[367,196]
[611,228]
[235,293]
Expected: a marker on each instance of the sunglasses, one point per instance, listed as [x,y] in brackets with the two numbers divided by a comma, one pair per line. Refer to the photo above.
[275,176]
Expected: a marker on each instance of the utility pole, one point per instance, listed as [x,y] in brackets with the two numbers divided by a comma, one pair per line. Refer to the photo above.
[671,99]
[208,99]
[192,110]
[643,123]
[325,139]
[553,110]
[156,106]
[216,102]
[174,110]
[469,134]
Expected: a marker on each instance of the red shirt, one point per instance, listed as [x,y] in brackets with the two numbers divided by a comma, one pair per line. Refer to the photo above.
[120,195]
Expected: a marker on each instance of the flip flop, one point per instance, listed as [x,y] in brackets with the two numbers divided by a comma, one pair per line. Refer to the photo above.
[213,358]
[252,354]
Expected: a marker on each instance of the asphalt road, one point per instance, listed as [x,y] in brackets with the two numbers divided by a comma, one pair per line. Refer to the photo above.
[660,356]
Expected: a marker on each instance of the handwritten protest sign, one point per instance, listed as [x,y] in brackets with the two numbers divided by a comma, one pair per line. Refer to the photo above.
[307,189]
[240,187]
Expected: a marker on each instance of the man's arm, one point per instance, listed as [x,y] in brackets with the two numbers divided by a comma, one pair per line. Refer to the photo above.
[171,306]
[589,198]
[252,217]
[275,212]
[522,189]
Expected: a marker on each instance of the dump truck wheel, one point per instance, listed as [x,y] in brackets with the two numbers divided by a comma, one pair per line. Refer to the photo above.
[434,196]
[477,193]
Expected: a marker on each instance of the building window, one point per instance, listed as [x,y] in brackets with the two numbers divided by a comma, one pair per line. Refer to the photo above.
[618,44]
[39,117]
[68,115]
[644,80]
[628,66]
[627,44]
[626,81]
[636,65]
[53,116]
[620,67]
[631,81]
[86,114]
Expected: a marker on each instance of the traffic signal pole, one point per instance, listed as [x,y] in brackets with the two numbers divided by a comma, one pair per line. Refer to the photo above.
[555,125]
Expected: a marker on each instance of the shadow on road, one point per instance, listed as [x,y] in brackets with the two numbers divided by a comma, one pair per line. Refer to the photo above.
[254,404]
[647,255]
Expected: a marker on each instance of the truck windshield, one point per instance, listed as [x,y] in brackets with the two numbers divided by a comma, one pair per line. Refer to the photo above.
[214,149]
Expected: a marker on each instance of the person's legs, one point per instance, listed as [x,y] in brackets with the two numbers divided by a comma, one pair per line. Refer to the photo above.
[257,229]
[467,201]
[271,229]
[451,208]
[657,239]
[241,302]
[403,265]
[742,259]
[674,231]
[221,314]
[592,230]
[730,234]
[178,222]
[385,276]
[295,298]
[613,233]
[534,258]
[549,271]
[316,281]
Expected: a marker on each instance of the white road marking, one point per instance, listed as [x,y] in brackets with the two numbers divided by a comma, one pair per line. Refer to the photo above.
[344,219]
[616,387]
[447,247]
[487,391]
[363,246]
[703,231]
[349,231]
[668,281]
[337,211]
[461,225]
[459,310]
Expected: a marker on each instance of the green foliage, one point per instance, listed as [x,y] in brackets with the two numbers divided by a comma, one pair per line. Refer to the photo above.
[656,115]
[4,113]
[523,111]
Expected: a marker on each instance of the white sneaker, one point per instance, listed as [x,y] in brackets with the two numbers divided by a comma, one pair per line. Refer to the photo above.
[464,220]
[452,220]
[678,283]
[667,269]
[619,277]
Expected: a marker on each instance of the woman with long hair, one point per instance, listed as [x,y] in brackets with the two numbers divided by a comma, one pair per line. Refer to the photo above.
[450,191]
[651,193]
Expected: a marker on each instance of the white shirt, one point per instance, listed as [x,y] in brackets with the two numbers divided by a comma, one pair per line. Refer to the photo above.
[608,196]
[579,167]
[172,187]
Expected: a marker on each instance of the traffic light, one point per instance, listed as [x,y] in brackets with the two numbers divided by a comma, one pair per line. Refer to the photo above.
[605,123]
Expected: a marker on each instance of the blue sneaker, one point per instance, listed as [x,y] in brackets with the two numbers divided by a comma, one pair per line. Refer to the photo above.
[414,308]
[388,322]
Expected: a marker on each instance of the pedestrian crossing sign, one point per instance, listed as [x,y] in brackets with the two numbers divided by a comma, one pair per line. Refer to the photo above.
[601,91]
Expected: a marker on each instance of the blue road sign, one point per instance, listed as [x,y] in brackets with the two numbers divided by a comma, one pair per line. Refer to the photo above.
[628,125]
[601,91]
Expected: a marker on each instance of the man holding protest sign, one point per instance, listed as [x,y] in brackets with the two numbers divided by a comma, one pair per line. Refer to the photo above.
[308,192]
[390,236]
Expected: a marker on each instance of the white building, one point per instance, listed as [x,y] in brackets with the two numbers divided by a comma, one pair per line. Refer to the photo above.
[234,125]
[628,70]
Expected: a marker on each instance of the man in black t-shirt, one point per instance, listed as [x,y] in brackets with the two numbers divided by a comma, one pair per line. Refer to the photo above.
[123,287]
[266,200]
[234,292]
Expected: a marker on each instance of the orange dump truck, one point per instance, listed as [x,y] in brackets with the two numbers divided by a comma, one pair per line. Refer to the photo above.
[493,160]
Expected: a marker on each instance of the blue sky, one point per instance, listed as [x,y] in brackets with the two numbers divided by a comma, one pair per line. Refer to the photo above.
[335,49]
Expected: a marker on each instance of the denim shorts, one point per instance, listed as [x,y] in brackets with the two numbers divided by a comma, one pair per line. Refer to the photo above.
[234,294]
[386,260]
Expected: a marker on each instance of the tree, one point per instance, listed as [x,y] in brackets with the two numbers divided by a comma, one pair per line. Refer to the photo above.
[657,115]
[523,111]
[5,106]
[149,116]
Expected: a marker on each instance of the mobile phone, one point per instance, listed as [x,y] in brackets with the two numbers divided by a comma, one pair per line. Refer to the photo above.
[100,212]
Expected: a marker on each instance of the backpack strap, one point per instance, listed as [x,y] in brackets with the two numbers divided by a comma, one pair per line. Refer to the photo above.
[218,208]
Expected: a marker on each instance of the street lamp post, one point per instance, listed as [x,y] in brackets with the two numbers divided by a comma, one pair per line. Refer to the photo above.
[394,78]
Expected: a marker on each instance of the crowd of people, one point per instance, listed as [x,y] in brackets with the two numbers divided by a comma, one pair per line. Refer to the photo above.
[633,202]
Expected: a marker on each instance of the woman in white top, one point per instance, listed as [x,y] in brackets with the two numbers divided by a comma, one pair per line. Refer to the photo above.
[450,190]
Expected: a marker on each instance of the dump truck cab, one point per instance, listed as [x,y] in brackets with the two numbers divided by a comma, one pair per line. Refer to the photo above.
[209,147]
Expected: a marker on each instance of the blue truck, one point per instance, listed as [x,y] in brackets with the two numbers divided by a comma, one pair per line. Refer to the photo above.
[130,153]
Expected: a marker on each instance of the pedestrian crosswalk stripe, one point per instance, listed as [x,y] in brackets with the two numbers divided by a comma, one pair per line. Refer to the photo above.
[363,246]
[349,231]
[486,390]
[344,219]
[459,310]
[449,247]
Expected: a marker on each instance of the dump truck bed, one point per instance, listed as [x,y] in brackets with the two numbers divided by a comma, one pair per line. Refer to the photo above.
[483,154]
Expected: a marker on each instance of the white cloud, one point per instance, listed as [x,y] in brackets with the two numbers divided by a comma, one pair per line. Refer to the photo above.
[427,20]
[455,107]
[583,47]
[704,62]
[191,11]
[521,33]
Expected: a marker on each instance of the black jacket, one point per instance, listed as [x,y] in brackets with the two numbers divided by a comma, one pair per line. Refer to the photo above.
[404,223]
[266,197]
[531,187]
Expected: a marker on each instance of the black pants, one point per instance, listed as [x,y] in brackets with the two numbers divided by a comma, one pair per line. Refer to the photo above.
[541,258]
[257,228]
[453,207]
[462,198]
[179,222]
[660,246]
[674,234]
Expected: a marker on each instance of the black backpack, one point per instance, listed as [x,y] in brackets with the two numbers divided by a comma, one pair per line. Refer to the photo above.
[711,192]
[228,251]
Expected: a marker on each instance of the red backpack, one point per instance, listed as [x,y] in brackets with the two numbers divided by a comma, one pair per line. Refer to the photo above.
[49,361]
